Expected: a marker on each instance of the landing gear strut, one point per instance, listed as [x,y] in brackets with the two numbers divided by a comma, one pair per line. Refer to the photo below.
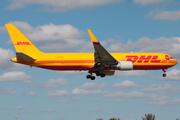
[102,75]
[164,75]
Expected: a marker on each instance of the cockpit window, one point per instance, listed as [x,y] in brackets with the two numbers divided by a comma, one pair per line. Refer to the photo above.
[171,57]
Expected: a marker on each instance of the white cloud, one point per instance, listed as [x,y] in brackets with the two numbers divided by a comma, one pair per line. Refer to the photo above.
[148,2]
[61,5]
[14,76]
[174,102]
[52,83]
[62,101]
[96,109]
[158,103]
[62,45]
[171,2]
[51,37]
[125,85]
[150,14]
[10,90]
[3,30]
[95,99]
[60,82]
[32,93]
[89,88]
[155,97]
[88,46]
[20,107]
[43,104]
[6,53]
[134,94]
[163,88]
[167,15]
[173,74]
[118,100]
[131,73]
[78,91]
[5,57]
[93,86]
[58,93]
[50,110]
[160,45]
[164,15]
[77,99]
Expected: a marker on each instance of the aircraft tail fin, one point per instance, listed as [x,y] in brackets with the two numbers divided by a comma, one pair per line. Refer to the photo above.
[21,43]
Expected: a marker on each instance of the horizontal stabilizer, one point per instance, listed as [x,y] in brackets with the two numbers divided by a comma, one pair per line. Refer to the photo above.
[22,56]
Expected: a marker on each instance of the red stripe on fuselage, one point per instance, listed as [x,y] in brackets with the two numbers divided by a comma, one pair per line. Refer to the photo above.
[67,67]
[151,67]
[89,67]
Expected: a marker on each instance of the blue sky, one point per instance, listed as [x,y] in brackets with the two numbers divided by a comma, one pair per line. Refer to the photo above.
[61,26]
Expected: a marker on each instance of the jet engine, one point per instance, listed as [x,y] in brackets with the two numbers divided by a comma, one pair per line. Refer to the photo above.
[124,65]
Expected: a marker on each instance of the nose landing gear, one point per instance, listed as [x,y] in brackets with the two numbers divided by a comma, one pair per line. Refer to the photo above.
[164,70]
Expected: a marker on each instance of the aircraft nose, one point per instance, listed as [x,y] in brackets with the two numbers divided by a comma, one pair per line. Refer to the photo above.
[175,62]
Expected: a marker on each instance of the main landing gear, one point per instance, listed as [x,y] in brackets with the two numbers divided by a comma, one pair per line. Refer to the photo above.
[90,77]
[98,73]
[164,70]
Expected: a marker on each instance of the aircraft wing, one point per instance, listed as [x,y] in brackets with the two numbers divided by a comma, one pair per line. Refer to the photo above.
[101,54]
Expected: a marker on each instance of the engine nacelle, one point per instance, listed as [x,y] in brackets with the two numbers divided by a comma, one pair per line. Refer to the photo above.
[124,65]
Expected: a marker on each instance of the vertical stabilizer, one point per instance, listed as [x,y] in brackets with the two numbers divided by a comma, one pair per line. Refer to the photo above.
[21,43]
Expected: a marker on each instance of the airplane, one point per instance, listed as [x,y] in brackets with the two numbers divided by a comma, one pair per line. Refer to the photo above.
[101,62]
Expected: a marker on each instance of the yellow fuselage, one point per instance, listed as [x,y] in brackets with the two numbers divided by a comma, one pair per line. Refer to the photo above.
[85,61]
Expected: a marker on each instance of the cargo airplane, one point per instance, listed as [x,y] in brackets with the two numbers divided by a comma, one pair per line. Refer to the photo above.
[101,62]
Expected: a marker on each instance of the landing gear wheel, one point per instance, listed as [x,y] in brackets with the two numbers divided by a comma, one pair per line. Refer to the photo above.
[164,70]
[92,78]
[98,73]
[164,75]
[102,75]
[88,76]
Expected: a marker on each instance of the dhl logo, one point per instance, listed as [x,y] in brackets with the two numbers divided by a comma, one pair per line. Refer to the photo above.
[23,43]
[143,59]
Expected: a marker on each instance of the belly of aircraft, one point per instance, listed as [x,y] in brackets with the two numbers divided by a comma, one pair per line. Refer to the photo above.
[88,67]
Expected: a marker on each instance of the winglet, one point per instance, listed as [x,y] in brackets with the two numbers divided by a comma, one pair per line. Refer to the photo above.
[93,38]
[101,54]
